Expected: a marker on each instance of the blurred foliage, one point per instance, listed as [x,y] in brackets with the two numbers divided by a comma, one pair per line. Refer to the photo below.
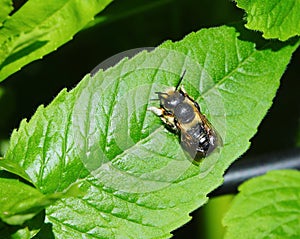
[268,205]
[276,19]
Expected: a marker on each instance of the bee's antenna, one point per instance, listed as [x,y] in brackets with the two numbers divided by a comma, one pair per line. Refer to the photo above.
[154,99]
[161,93]
[181,78]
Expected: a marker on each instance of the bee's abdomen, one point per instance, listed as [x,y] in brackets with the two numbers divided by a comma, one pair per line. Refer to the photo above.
[199,137]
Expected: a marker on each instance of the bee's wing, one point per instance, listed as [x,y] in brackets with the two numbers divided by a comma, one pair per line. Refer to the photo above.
[215,138]
[189,144]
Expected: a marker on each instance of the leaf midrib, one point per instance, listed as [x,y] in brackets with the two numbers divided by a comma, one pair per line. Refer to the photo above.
[219,82]
[200,97]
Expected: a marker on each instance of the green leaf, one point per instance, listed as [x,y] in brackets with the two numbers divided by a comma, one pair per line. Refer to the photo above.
[266,207]
[275,18]
[13,167]
[3,147]
[6,8]
[138,180]
[20,202]
[15,193]
[40,27]
[26,231]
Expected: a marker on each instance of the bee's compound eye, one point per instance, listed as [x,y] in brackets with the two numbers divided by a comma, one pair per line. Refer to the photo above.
[173,100]
[184,113]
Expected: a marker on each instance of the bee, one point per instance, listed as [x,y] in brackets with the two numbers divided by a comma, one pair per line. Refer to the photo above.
[181,114]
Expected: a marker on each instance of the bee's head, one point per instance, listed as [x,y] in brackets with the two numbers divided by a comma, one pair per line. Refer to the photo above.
[170,100]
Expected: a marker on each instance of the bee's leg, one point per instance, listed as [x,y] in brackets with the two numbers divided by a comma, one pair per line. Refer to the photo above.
[158,111]
[196,105]
[169,120]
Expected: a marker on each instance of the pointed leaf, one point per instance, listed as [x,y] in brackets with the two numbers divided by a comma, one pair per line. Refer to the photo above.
[275,18]
[40,27]
[139,181]
[6,8]
[19,202]
[266,207]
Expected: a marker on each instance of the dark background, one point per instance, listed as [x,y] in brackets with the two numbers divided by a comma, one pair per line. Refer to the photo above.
[140,23]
